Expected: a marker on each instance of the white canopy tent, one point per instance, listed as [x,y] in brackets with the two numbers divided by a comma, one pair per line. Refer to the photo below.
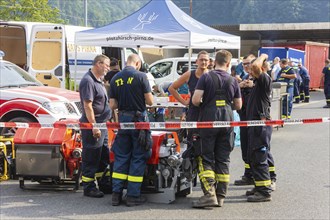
[160,23]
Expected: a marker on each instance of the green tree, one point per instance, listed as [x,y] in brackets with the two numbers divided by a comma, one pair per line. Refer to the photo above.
[29,10]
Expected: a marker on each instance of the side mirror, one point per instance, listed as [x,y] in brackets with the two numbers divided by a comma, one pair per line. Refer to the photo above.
[144,67]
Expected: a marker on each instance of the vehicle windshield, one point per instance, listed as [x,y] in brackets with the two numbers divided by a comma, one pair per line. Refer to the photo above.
[13,76]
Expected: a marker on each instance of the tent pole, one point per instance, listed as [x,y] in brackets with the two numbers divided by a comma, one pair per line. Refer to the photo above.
[190,53]
[75,67]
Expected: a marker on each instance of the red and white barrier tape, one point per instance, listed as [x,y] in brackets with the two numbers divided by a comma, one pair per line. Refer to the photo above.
[165,125]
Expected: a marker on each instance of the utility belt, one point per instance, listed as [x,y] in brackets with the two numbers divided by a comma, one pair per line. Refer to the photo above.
[290,82]
[132,116]
[144,139]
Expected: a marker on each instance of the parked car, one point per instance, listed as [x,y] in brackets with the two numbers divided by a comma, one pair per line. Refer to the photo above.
[24,99]
[169,69]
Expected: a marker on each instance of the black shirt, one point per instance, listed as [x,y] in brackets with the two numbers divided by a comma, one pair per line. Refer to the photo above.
[128,88]
[260,98]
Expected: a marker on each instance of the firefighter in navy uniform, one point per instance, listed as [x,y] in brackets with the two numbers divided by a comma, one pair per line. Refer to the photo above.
[246,87]
[129,93]
[287,75]
[259,137]
[95,152]
[219,92]
[304,88]
[326,78]
[297,82]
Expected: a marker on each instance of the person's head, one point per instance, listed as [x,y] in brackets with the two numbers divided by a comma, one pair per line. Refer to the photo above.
[114,64]
[233,70]
[101,65]
[247,62]
[327,62]
[284,62]
[211,64]
[290,63]
[202,60]
[222,59]
[276,60]
[299,64]
[134,61]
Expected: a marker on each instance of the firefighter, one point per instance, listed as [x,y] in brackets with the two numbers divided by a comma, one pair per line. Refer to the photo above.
[95,152]
[326,78]
[217,90]
[297,82]
[258,108]
[304,88]
[129,93]
[246,87]
[287,75]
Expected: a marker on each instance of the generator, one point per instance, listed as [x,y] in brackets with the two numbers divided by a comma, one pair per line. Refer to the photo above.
[49,156]
[165,178]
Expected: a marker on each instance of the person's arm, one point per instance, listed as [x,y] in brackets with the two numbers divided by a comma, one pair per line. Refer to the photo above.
[197,97]
[173,89]
[257,65]
[237,104]
[91,117]
[289,76]
[149,98]
[113,103]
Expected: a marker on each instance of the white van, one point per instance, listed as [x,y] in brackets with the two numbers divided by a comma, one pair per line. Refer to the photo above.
[46,50]
[170,69]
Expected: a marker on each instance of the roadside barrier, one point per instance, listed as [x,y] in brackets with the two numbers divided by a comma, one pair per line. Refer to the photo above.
[166,125]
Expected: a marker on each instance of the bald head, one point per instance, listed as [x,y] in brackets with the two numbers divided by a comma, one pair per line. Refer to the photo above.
[134,60]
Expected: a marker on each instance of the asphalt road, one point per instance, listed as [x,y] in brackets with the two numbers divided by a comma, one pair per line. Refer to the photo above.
[301,155]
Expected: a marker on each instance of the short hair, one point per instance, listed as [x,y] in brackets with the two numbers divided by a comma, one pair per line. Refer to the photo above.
[277,58]
[327,61]
[222,57]
[203,52]
[114,62]
[100,58]
[284,61]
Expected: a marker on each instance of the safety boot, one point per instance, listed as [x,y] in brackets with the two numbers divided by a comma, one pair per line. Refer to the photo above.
[297,100]
[93,193]
[208,200]
[134,201]
[326,106]
[306,100]
[116,198]
[244,181]
[258,197]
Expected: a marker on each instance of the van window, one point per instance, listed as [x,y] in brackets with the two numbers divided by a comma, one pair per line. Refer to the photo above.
[160,70]
[183,67]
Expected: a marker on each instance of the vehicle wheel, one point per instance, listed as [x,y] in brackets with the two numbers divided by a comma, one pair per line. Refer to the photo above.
[12,130]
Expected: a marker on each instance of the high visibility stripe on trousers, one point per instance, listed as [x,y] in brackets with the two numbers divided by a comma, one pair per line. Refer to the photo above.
[263,183]
[204,174]
[99,174]
[87,179]
[121,176]
[247,166]
[223,178]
